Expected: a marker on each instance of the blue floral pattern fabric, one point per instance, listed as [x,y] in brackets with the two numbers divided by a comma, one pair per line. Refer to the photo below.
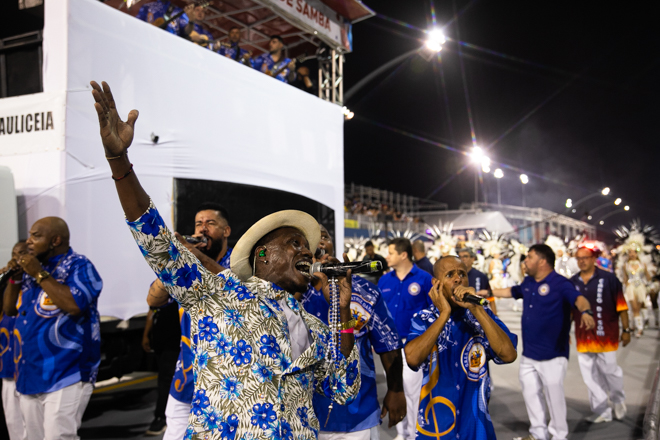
[247,386]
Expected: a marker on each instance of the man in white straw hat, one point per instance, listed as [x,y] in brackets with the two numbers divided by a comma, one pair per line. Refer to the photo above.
[259,356]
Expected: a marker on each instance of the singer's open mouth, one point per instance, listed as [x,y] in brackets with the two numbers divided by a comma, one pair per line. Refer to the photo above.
[303,267]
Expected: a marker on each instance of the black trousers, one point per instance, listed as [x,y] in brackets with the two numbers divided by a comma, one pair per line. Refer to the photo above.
[166,361]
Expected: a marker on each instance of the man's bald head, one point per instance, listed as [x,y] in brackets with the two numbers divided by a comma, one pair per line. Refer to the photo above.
[451,272]
[49,236]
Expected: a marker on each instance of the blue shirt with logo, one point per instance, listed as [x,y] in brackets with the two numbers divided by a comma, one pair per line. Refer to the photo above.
[158,9]
[456,386]
[546,318]
[7,367]
[478,280]
[375,328]
[54,349]
[183,383]
[264,63]
[407,297]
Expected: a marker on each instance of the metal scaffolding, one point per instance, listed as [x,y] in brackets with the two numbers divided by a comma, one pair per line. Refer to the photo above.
[331,75]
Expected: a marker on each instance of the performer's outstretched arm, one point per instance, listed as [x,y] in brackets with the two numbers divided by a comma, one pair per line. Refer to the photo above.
[117,136]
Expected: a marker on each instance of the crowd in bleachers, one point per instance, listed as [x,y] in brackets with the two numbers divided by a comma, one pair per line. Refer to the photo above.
[188,23]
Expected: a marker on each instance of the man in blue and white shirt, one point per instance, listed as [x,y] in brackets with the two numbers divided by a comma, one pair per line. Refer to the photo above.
[274,63]
[233,49]
[58,339]
[211,222]
[152,12]
[374,329]
[405,290]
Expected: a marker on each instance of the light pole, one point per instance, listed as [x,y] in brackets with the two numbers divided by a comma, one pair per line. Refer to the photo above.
[498,173]
[616,211]
[604,205]
[433,45]
[603,192]
[524,180]
[482,163]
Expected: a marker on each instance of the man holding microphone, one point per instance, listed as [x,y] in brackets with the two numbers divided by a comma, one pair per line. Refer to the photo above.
[452,342]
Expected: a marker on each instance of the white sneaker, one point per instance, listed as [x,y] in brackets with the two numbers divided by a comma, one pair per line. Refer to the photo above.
[598,418]
[620,410]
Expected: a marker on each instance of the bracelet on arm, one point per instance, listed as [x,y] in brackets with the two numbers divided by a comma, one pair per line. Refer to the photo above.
[348,330]
[117,179]
[588,312]
[348,325]
[15,282]
[116,157]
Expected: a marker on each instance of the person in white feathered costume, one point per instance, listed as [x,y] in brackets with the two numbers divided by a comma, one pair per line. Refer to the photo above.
[633,269]
[492,248]
[444,243]
[561,255]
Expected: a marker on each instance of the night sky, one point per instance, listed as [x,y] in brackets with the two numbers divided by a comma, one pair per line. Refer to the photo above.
[591,70]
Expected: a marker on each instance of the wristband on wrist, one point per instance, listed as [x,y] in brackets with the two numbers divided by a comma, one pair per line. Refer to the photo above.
[627,330]
[588,312]
[15,282]
[348,330]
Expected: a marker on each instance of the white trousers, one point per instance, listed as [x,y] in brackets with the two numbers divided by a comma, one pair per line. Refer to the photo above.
[412,387]
[12,408]
[176,416]
[601,374]
[365,434]
[539,379]
[56,415]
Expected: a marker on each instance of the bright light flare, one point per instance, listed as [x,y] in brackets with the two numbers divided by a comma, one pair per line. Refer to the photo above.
[436,40]
[498,173]
[485,164]
[602,222]
[524,179]
[589,218]
[477,155]
[569,203]
[347,113]
[605,191]
[626,208]
[617,202]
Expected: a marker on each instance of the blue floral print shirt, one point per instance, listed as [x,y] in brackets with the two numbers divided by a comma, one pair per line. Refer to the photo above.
[247,386]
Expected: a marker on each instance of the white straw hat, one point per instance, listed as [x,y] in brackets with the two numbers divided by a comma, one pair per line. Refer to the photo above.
[305,223]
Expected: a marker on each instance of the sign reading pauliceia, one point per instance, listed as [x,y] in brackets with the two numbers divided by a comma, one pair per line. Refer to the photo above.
[32,123]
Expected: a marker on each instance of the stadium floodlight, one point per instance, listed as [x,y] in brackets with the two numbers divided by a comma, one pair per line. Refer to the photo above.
[605,191]
[524,179]
[436,38]
[498,173]
[617,202]
[569,203]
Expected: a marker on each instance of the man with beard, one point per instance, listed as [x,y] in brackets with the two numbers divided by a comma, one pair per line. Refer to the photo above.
[58,341]
[259,356]
[374,328]
[548,299]
[233,50]
[452,341]
[212,223]
[274,63]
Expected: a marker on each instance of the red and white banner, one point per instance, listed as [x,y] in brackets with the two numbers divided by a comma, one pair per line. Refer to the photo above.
[317,17]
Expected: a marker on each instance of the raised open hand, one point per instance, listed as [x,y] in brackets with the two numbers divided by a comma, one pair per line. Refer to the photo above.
[116,134]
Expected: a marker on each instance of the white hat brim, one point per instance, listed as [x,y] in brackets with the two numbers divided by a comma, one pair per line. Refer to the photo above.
[305,223]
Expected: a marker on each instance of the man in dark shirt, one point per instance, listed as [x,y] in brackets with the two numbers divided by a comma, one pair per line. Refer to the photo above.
[419,254]
[477,279]
[373,256]
[548,300]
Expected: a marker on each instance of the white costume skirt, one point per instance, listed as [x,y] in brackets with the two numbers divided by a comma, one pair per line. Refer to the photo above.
[635,292]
